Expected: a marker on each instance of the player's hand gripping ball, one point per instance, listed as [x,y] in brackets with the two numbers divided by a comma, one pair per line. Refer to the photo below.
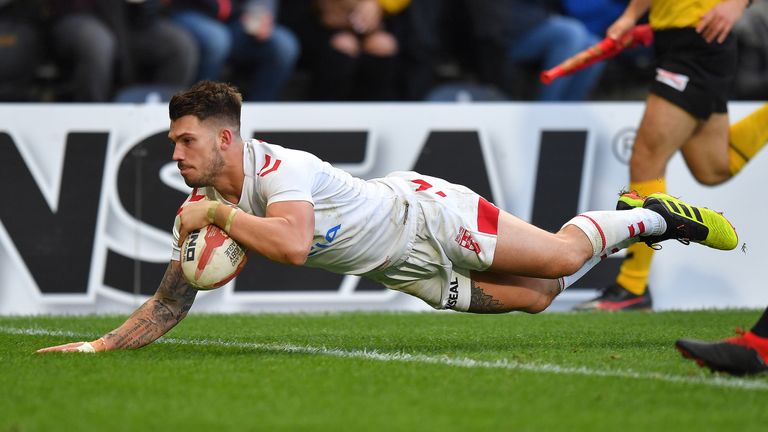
[210,258]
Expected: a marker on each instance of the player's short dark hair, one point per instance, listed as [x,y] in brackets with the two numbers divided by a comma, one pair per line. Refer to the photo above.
[208,99]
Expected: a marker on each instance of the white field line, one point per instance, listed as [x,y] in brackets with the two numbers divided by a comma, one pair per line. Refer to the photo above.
[464,362]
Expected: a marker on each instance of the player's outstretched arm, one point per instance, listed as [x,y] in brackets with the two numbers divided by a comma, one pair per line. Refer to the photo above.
[169,305]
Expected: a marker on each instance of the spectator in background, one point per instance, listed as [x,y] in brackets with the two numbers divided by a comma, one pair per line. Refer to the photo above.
[596,15]
[87,46]
[751,32]
[245,32]
[94,37]
[206,21]
[354,54]
[524,31]
[626,75]
[418,33]
[20,48]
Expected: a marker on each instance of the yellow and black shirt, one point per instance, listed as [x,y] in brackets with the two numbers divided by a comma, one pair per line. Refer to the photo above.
[667,14]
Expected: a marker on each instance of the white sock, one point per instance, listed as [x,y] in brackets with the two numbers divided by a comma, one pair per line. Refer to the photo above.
[569,280]
[606,228]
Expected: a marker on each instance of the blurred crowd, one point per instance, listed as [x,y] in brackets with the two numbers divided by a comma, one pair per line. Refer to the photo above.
[330,50]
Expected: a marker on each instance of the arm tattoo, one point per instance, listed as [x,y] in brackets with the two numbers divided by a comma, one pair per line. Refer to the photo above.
[157,315]
[480,302]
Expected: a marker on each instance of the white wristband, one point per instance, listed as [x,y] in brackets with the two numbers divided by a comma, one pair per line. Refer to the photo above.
[86,348]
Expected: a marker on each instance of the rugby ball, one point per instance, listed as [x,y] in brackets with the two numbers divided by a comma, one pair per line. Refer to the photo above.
[210,258]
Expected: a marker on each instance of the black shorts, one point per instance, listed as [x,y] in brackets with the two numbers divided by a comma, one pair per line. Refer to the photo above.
[693,74]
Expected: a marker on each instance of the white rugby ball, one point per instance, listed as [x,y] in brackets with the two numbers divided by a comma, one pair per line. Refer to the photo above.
[210,258]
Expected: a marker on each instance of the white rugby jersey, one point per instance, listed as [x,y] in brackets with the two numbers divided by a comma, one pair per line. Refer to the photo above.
[359,225]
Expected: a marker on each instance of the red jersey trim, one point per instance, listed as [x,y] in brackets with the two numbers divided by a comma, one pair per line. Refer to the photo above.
[487,217]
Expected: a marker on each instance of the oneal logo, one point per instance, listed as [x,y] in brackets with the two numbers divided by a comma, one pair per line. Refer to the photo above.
[453,297]
[190,256]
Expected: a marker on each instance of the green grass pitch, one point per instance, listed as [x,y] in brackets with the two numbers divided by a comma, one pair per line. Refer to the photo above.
[380,371]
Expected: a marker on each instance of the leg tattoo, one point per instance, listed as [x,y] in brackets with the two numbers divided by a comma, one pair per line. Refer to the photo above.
[480,302]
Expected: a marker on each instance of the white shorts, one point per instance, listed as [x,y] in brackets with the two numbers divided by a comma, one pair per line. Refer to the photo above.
[455,233]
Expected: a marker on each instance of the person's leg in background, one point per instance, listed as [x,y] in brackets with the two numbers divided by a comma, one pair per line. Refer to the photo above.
[713,151]
[664,128]
[376,77]
[173,62]
[746,137]
[85,43]
[334,58]
[417,31]
[21,54]
[553,41]
[271,61]
[213,40]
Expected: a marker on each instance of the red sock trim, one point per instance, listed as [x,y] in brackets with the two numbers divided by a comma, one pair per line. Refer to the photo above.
[599,230]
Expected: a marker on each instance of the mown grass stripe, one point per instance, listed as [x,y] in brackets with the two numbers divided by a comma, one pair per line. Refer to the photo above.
[465,362]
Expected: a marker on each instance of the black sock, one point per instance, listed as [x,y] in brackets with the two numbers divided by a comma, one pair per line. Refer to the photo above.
[761,326]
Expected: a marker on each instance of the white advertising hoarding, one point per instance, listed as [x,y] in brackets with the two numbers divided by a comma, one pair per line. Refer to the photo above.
[91,194]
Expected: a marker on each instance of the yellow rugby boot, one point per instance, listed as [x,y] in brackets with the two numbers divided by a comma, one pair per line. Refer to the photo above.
[630,200]
[687,223]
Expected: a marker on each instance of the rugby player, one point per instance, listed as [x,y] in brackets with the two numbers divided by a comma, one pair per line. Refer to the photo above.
[421,235]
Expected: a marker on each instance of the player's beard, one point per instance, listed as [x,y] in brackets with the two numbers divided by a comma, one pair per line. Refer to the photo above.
[209,174]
